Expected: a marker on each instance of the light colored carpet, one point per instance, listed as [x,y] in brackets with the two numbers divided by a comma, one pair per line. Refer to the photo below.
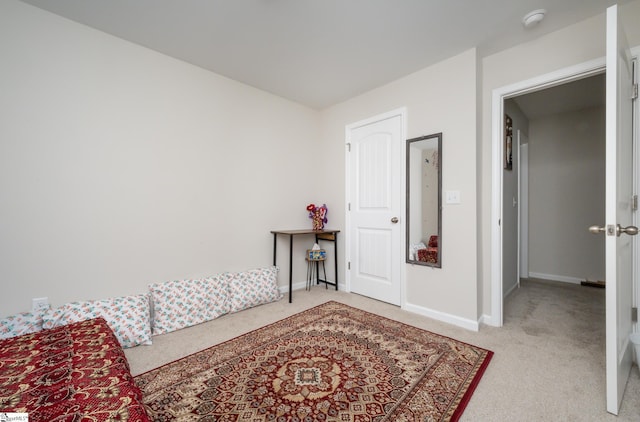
[549,362]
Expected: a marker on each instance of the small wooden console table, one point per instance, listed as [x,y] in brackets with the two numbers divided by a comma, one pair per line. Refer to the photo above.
[330,235]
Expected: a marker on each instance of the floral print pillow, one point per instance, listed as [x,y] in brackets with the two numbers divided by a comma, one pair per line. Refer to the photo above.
[254,287]
[127,316]
[21,323]
[183,303]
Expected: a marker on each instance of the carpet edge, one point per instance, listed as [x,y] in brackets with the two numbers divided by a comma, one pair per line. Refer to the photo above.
[464,401]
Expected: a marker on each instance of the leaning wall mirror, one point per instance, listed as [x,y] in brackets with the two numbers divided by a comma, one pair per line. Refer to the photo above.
[424,203]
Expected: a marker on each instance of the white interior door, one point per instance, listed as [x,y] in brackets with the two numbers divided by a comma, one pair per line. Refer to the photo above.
[618,211]
[375,250]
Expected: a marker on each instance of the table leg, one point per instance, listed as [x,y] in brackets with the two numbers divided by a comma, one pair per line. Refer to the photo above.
[275,245]
[335,248]
[290,267]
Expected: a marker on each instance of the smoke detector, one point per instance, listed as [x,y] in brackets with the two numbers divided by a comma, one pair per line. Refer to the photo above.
[533,18]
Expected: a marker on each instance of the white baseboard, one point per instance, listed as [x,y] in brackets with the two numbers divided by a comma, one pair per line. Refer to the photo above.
[489,320]
[295,286]
[552,277]
[301,285]
[441,316]
[430,313]
[515,286]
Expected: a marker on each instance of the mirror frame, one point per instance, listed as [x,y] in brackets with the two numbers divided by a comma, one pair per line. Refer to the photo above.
[438,136]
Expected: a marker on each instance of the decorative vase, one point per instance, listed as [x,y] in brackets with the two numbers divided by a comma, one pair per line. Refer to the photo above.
[318,216]
[317,221]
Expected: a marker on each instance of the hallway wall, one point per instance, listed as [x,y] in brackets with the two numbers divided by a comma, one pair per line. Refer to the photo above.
[567,195]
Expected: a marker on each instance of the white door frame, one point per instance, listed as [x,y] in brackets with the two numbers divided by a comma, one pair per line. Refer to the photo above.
[402,112]
[523,207]
[558,77]
[548,80]
[635,52]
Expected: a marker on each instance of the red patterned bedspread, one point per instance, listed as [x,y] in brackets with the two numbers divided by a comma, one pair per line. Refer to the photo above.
[74,373]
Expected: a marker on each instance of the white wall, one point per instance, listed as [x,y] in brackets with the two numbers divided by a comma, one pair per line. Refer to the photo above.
[440,98]
[567,172]
[120,166]
[570,46]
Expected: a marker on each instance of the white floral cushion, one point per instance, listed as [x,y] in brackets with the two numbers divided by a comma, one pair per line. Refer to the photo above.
[21,323]
[183,303]
[251,288]
[414,248]
[127,316]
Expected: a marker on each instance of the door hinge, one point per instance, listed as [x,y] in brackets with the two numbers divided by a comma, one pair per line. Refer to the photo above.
[634,203]
[348,146]
[634,91]
[349,265]
[349,206]
[634,314]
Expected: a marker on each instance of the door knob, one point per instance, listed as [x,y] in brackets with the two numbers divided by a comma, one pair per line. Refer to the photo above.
[394,220]
[630,230]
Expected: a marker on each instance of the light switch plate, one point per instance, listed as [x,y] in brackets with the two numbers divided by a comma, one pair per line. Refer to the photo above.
[452,197]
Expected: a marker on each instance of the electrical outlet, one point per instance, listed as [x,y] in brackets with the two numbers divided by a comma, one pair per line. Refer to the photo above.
[38,303]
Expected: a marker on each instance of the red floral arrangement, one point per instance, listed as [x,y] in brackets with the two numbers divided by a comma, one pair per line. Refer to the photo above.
[318,215]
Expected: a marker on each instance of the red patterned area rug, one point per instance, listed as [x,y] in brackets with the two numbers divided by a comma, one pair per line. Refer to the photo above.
[329,363]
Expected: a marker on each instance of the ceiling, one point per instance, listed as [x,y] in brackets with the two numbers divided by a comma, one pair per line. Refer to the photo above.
[320,52]
[573,96]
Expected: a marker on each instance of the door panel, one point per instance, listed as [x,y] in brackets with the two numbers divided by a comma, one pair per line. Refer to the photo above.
[374,151]
[373,248]
[375,199]
[618,253]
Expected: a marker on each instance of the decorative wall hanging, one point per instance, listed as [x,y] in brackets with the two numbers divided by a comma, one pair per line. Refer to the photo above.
[508,142]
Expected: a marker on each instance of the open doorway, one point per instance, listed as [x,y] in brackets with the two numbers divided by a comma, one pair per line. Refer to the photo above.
[498,201]
[558,162]
[620,260]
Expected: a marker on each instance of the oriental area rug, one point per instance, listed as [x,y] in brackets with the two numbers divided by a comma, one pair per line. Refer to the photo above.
[328,363]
